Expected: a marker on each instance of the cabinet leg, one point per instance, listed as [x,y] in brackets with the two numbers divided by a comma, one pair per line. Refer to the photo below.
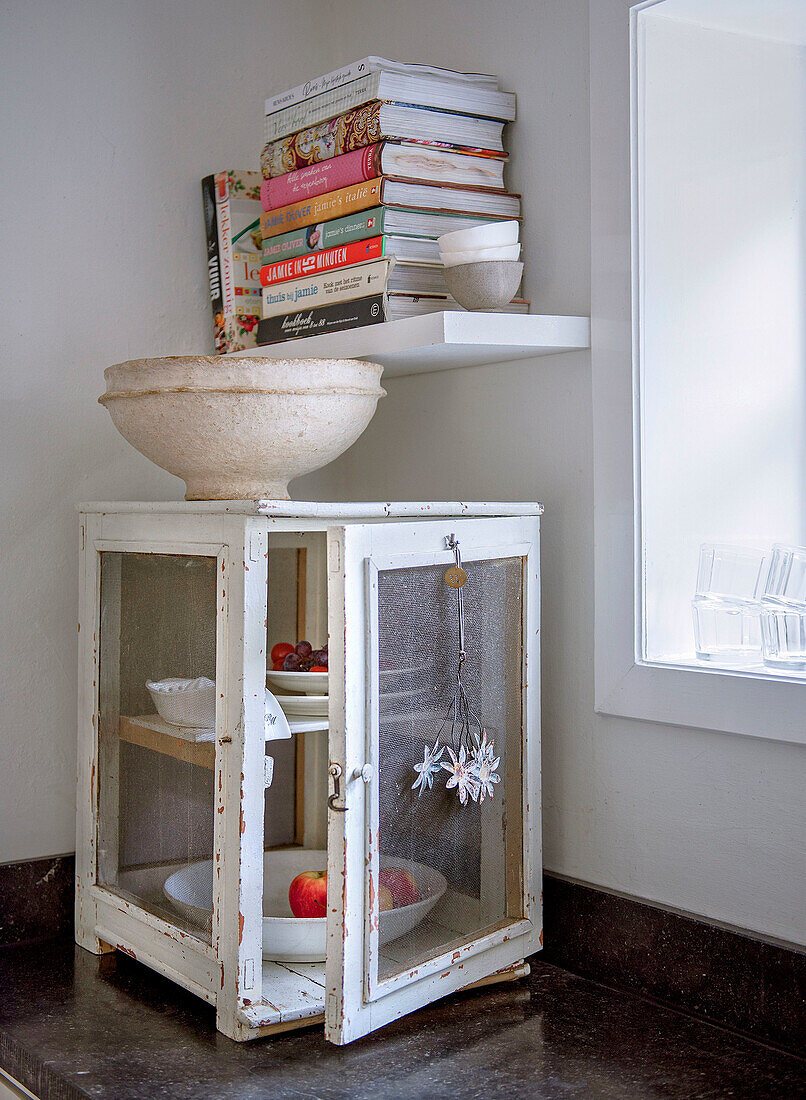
[86,918]
[90,942]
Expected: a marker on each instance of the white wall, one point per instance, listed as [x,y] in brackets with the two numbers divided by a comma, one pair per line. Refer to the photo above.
[703,821]
[111,114]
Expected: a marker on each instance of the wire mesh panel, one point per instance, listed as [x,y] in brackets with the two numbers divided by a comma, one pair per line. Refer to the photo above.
[450,832]
[157,745]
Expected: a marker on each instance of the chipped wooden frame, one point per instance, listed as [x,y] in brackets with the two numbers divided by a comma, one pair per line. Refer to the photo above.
[254,997]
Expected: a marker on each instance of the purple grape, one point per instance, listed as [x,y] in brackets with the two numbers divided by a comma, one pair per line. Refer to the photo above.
[292,663]
[304,649]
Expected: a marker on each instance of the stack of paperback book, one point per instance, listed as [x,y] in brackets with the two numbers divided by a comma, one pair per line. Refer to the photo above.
[362,170]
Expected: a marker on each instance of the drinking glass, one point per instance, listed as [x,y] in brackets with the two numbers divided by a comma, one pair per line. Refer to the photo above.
[783,637]
[725,610]
[786,580]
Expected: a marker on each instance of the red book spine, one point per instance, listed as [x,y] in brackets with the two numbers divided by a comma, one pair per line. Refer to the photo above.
[316,179]
[344,256]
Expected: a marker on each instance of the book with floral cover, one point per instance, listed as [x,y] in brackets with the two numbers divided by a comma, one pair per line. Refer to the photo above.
[351,130]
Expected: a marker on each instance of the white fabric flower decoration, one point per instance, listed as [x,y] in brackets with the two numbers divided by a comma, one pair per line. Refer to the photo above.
[428,769]
[484,765]
[487,777]
[461,776]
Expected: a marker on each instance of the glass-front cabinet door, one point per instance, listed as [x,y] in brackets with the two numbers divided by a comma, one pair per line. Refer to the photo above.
[434,862]
[158,630]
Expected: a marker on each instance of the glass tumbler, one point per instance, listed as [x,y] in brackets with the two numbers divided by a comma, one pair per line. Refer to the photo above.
[785,583]
[783,637]
[783,609]
[725,610]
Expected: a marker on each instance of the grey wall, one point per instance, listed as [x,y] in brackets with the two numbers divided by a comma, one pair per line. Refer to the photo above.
[111,114]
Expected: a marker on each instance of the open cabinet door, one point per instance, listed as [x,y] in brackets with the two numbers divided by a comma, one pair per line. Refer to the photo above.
[428,893]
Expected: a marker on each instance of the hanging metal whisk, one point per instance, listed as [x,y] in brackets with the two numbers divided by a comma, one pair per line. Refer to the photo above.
[472,762]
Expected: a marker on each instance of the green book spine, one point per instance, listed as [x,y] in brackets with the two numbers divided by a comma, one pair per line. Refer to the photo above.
[316,238]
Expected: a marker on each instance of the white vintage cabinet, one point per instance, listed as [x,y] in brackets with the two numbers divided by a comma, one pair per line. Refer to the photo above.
[206,589]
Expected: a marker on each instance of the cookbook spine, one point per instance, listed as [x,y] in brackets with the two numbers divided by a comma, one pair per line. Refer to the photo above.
[333,204]
[330,260]
[316,179]
[213,254]
[302,242]
[326,289]
[315,322]
[326,105]
[348,131]
[326,83]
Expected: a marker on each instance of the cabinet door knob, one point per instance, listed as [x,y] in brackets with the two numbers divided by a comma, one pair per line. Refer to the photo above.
[364,773]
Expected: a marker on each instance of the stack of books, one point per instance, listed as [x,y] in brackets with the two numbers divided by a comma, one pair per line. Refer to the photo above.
[362,170]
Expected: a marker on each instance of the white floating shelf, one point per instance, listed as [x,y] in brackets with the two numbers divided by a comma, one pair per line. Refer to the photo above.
[441,341]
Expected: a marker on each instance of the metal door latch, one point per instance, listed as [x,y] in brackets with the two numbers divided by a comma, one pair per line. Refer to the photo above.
[336,772]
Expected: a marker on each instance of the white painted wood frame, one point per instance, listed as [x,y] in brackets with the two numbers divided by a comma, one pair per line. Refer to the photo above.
[625,684]
[355,1003]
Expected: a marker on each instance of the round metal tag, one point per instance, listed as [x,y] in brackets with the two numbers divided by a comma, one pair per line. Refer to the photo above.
[455,576]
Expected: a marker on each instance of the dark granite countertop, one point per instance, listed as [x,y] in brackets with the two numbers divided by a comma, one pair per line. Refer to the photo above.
[74,1026]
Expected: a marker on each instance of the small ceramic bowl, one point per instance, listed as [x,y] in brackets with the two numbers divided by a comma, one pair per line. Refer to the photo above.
[189,703]
[477,255]
[490,235]
[488,284]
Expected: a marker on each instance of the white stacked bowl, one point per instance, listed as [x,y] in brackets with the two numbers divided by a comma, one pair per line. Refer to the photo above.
[481,264]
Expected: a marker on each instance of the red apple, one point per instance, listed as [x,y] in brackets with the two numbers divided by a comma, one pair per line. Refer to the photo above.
[280,651]
[385,899]
[307,894]
[401,884]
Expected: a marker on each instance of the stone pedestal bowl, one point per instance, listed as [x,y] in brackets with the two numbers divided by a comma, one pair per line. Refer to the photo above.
[240,428]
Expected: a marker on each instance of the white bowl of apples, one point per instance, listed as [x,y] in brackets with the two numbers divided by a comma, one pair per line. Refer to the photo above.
[407,893]
[298,667]
[294,920]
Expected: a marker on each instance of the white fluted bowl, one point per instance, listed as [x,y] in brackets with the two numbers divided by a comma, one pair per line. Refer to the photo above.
[240,428]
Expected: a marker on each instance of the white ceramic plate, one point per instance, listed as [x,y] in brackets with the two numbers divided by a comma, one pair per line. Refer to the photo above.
[305,706]
[490,235]
[312,683]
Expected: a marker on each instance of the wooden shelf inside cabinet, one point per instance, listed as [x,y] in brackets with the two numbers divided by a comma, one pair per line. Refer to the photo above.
[441,341]
[149,731]
[195,746]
